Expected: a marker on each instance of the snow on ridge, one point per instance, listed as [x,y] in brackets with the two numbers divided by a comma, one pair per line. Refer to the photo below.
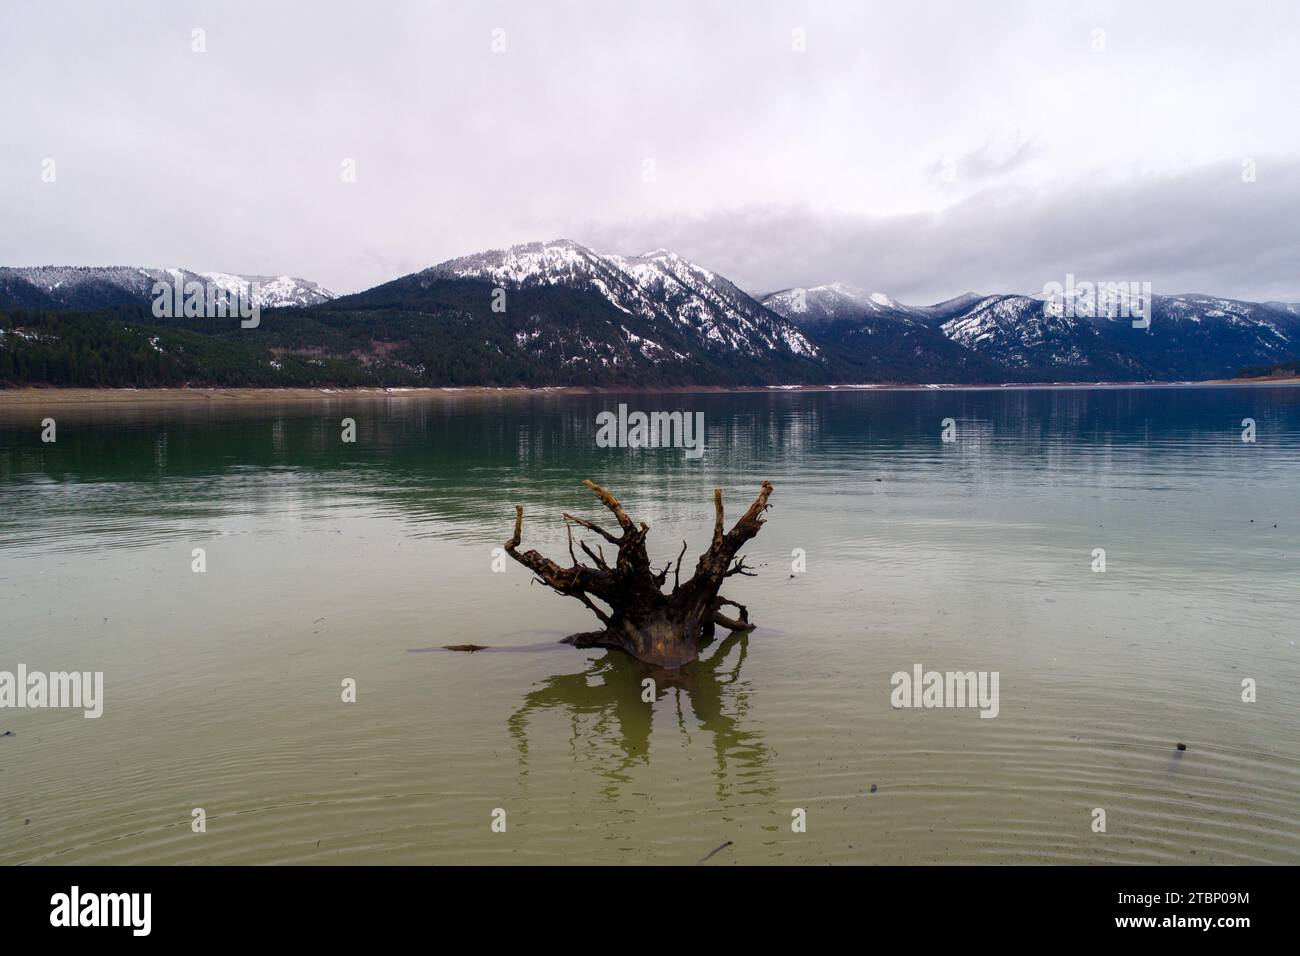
[138,282]
[837,300]
[542,263]
[659,286]
[272,291]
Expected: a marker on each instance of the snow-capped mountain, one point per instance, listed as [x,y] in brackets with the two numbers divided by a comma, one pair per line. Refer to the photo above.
[824,304]
[273,292]
[1200,336]
[563,311]
[85,288]
[1020,334]
[880,338]
[1032,338]
[660,287]
[1189,336]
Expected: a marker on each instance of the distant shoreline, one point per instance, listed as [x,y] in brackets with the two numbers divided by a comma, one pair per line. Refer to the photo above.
[84,396]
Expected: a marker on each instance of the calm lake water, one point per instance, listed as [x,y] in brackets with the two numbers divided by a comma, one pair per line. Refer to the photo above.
[328,560]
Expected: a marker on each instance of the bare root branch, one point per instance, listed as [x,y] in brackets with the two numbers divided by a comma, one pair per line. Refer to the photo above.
[570,581]
[752,520]
[734,624]
[604,618]
[677,574]
[740,568]
[717,517]
[519,521]
[598,558]
[610,502]
[714,564]
[591,526]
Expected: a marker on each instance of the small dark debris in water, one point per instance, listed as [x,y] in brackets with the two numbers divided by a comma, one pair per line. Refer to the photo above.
[471,648]
[1182,746]
[710,854]
[792,575]
[318,844]
[8,733]
[27,822]
[873,788]
[880,479]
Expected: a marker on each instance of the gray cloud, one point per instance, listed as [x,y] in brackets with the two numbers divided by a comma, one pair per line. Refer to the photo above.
[1206,231]
[774,163]
[990,163]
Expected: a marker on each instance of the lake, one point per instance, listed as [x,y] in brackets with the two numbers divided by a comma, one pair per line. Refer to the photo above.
[886,548]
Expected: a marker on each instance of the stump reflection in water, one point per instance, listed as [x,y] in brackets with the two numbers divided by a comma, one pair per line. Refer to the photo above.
[612,724]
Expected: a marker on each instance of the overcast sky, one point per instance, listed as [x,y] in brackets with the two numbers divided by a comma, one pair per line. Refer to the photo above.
[920,149]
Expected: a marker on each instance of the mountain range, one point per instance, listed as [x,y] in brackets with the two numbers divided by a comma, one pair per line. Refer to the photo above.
[87,288]
[559,313]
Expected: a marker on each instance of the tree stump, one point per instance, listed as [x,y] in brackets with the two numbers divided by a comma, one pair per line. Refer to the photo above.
[665,629]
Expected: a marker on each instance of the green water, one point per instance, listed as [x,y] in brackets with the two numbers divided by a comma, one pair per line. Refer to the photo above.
[329,560]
